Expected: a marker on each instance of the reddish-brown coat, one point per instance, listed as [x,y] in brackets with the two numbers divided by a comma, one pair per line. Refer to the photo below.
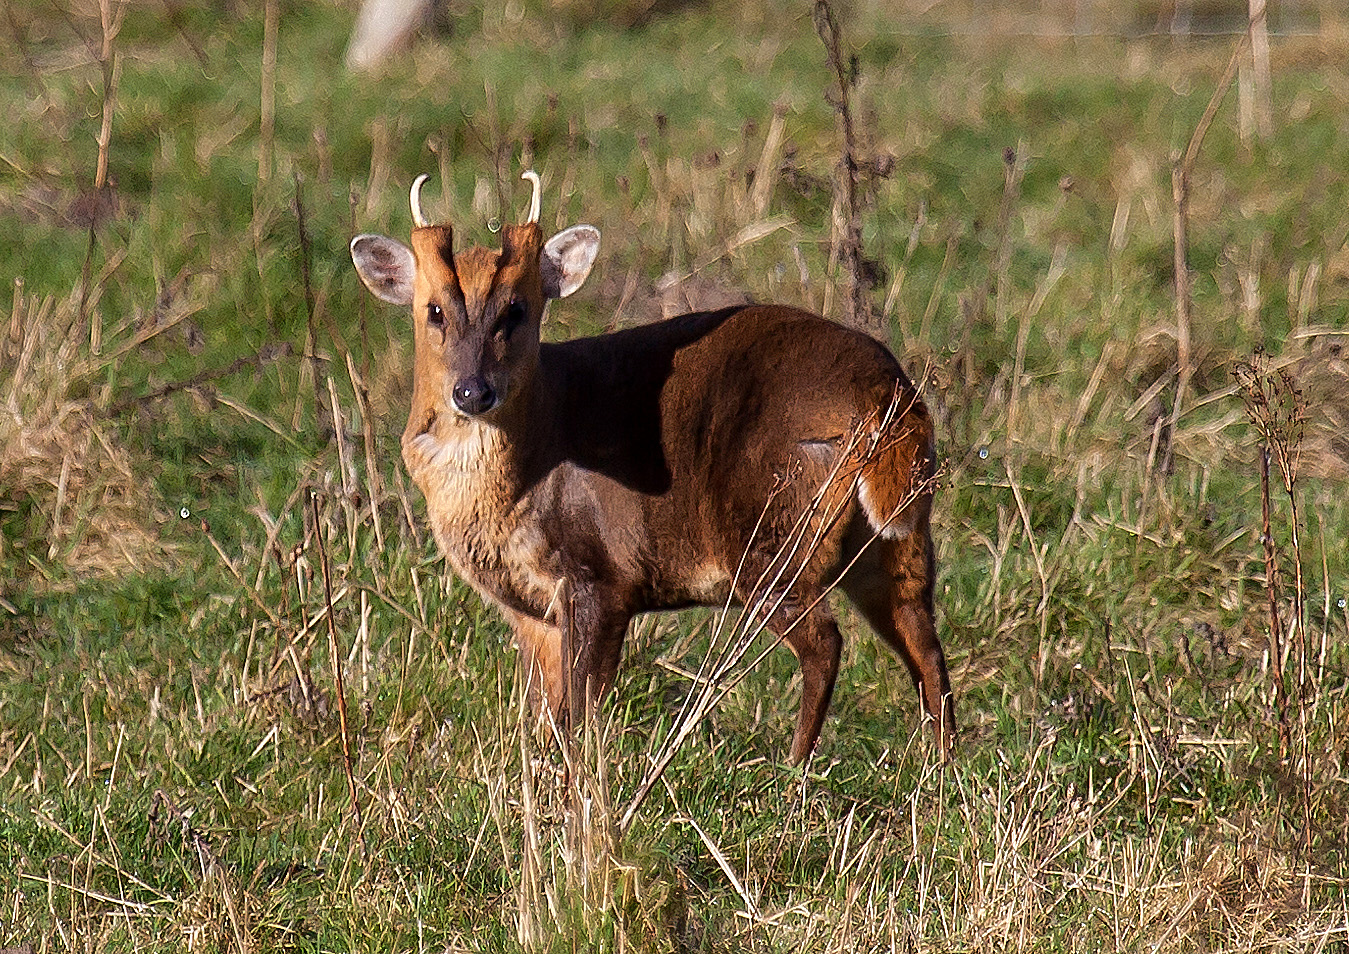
[664,466]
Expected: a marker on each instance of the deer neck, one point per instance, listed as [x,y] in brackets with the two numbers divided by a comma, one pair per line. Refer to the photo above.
[475,469]
[478,477]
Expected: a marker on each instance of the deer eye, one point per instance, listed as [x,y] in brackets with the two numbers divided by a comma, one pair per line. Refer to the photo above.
[435,317]
[511,319]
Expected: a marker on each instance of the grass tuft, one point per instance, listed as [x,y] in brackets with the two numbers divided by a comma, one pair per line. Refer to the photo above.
[75,502]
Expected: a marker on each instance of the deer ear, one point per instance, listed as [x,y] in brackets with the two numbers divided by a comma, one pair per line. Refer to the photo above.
[567,258]
[386,266]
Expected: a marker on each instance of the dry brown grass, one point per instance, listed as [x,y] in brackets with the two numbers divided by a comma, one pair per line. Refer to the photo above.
[90,509]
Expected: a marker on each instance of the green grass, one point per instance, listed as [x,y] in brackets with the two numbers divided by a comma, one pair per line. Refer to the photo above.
[171,773]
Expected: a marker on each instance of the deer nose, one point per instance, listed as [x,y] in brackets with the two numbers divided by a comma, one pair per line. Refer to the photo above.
[473,396]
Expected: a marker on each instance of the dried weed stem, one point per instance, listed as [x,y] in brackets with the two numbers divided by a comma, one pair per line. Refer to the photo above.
[1182,170]
[857,306]
[110,19]
[1277,409]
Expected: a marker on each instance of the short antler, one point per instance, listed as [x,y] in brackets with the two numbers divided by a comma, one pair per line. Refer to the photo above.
[535,202]
[417,218]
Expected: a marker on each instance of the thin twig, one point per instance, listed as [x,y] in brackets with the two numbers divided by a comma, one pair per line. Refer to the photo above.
[336,653]
[322,414]
[258,360]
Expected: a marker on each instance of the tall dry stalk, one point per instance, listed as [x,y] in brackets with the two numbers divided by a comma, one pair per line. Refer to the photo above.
[1276,633]
[335,651]
[1261,84]
[323,420]
[271,25]
[110,18]
[1182,170]
[1277,409]
[857,306]
[1014,171]
[110,62]
[766,170]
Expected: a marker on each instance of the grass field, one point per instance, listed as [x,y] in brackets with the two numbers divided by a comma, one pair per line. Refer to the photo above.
[200,409]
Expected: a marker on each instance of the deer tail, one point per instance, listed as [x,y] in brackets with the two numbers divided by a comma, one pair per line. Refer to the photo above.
[894,488]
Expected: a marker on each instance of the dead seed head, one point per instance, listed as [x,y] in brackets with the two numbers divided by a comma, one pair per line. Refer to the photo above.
[1276,407]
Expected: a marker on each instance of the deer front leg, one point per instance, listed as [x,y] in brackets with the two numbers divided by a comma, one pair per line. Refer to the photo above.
[541,653]
[594,632]
[571,663]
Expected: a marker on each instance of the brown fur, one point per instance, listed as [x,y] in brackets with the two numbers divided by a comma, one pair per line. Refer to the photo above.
[666,466]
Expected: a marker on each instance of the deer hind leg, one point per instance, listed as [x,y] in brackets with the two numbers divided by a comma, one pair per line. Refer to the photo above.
[813,636]
[891,586]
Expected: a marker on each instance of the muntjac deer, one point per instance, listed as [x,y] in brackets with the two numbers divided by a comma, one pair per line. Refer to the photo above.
[575,485]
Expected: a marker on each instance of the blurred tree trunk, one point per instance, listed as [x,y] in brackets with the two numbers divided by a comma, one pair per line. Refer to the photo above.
[383,28]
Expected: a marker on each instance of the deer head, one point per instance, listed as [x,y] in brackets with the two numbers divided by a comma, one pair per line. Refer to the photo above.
[477,314]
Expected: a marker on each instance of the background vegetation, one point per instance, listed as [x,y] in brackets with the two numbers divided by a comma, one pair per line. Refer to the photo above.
[199,411]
